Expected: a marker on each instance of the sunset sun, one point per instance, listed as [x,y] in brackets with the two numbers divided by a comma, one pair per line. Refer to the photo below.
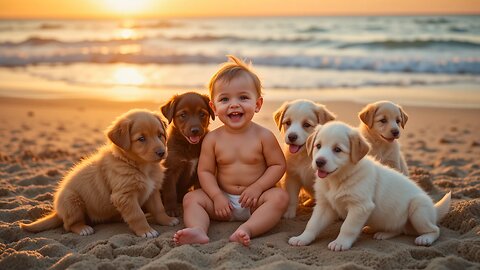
[128,6]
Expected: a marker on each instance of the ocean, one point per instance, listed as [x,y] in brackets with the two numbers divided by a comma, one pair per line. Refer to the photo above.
[307,54]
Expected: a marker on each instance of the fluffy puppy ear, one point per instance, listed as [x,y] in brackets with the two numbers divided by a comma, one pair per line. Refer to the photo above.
[311,140]
[358,146]
[324,115]
[278,115]
[367,114]
[207,103]
[119,133]
[404,116]
[168,109]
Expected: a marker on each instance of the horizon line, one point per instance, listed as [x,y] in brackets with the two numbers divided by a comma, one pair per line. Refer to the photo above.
[132,17]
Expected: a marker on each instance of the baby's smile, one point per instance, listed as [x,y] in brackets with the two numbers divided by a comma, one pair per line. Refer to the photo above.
[235,116]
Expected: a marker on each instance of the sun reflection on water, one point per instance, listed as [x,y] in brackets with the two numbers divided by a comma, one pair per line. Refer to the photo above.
[125,75]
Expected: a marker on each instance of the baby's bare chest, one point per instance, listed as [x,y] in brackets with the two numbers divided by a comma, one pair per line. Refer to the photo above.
[248,152]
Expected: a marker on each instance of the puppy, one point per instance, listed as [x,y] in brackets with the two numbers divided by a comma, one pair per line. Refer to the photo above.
[362,191]
[117,181]
[296,120]
[380,125]
[190,114]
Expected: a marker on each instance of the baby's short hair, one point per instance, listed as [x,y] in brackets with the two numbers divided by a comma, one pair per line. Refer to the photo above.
[233,69]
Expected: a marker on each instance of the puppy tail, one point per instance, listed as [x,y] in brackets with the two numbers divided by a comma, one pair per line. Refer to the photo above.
[443,206]
[50,221]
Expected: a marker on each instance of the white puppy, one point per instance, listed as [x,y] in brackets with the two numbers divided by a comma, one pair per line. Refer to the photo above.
[362,191]
[297,120]
[381,122]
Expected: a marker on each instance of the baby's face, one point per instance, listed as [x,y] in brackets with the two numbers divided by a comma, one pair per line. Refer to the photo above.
[236,103]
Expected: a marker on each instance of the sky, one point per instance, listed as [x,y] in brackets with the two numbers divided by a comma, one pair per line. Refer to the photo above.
[65,9]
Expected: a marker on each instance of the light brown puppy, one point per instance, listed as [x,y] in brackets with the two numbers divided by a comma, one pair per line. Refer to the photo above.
[297,120]
[117,181]
[380,125]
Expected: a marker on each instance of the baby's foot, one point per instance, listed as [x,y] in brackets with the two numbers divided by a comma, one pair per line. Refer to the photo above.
[241,237]
[190,236]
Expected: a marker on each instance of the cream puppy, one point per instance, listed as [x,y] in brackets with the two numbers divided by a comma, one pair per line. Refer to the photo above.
[297,120]
[362,191]
[380,125]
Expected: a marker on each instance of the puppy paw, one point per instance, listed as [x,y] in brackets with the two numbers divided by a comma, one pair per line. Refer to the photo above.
[150,234]
[340,245]
[87,230]
[290,213]
[425,240]
[167,220]
[298,241]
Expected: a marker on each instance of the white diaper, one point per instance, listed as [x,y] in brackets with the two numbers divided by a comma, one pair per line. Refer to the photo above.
[238,212]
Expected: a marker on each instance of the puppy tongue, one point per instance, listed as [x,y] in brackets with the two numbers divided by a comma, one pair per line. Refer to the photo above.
[294,148]
[194,139]
[322,174]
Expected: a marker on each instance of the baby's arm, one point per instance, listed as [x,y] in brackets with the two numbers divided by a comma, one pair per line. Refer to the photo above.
[206,175]
[276,166]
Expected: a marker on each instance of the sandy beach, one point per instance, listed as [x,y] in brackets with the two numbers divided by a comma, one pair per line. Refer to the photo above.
[42,139]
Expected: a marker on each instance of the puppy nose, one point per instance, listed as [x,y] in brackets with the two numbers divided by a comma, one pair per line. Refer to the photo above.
[320,162]
[160,153]
[292,137]
[395,132]
[195,130]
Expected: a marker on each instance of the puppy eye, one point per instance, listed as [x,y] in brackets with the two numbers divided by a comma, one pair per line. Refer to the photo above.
[306,125]
[202,114]
[318,146]
[288,123]
[383,121]
[141,139]
[398,121]
[337,149]
[183,115]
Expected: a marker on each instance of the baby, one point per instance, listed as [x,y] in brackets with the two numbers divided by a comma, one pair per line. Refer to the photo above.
[239,165]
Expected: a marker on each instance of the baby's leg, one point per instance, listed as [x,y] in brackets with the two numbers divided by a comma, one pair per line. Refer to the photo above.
[272,205]
[196,209]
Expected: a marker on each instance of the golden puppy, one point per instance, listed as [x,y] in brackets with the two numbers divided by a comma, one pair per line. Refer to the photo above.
[380,125]
[117,181]
[362,191]
[296,120]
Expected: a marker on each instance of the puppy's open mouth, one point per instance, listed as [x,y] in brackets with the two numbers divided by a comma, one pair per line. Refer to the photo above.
[323,174]
[294,148]
[194,139]
[235,116]
[388,139]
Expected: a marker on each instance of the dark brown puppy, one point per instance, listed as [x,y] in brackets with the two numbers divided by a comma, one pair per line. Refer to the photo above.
[190,115]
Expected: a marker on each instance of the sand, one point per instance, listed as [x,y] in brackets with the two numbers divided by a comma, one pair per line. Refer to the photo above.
[42,139]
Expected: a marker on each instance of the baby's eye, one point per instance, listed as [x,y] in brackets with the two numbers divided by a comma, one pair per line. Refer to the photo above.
[141,139]
[224,99]
[306,125]
[318,146]
[383,121]
[244,97]
[288,123]
[337,149]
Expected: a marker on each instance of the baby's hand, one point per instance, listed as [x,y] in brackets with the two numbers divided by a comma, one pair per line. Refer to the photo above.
[250,195]
[222,207]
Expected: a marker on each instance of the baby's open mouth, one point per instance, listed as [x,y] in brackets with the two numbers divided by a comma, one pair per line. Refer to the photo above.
[235,115]
[294,148]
